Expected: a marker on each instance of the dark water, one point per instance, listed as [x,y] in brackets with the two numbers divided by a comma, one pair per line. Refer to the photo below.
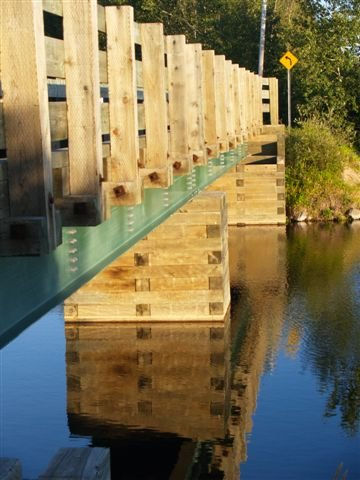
[274,393]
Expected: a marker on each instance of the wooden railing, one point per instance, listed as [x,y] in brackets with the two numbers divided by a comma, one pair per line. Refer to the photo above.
[83,129]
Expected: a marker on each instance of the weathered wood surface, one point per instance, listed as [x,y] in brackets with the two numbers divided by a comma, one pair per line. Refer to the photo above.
[209,103]
[83,110]
[138,284]
[123,163]
[79,464]
[156,118]
[256,191]
[194,103]
[221,102]
[27,132]
[10,469]
[178,119]
[274,101]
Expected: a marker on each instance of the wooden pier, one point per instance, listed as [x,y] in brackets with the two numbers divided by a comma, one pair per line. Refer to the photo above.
[108,127]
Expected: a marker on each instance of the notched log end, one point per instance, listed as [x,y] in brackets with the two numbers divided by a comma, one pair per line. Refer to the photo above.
[154,177]
[119,191]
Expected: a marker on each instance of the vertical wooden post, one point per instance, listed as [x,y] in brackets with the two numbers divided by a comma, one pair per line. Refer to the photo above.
[229,92]
[32,227]
[237,104]
[194,103]
[258,103]
[251,102]
[157,172]
[179,137]
[220,95]
[243,103]
[123,186]
[274,101]
[209,103]
[83,109]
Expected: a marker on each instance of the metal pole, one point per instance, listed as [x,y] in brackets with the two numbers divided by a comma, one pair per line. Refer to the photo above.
[289,97]
[262,38]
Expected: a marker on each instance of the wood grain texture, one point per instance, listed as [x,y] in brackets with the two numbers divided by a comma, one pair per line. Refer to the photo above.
[221,107]
[154,79]
[274,101]
[157,280]
[83,96]
[79,464]
[26,116]
[124,142]
[209,103]
[194,103]
[178,120]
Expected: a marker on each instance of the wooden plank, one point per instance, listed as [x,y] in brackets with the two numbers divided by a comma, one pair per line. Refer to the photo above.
[122,93]
[220,95]
[194,103]
[156,121]
[274,101]
[58,119]
[229,98]
[243,103]
[26,118]
[53,6]
[236,103]
[83,110]
[179,137]
[10,469]
[79,464]
[55,62]
[209,103]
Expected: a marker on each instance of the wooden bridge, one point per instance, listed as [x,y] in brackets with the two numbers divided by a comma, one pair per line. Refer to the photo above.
[107,128]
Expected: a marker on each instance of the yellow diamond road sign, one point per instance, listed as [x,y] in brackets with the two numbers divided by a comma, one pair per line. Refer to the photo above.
[288,60]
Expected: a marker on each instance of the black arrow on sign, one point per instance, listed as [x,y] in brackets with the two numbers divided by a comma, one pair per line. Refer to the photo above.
[288,58]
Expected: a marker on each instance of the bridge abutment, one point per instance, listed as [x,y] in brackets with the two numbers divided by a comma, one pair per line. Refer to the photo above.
[255,188]
[179,272]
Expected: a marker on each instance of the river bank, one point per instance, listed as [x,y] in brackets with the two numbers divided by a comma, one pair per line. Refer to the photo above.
[322,175]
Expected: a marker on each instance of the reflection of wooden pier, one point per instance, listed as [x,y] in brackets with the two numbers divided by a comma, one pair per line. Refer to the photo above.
[100,145]
[164,378]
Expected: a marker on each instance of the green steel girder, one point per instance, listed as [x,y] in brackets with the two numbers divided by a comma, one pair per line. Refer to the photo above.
[31,286]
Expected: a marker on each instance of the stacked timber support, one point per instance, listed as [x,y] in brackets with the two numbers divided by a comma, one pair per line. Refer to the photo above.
[179,272]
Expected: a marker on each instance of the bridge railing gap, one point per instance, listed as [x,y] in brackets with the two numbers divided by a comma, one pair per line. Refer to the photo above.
[104,107]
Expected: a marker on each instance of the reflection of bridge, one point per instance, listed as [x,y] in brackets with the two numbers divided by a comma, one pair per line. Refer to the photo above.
[188,390]
[109,143]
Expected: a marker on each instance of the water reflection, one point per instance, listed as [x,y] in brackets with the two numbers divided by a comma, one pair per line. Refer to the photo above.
[324,275]
[154,383]
[188,390]
[182,397]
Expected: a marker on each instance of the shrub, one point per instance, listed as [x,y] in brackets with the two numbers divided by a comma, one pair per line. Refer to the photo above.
[316,157]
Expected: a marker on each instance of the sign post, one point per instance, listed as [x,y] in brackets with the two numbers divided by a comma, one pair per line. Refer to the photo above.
[288,60]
